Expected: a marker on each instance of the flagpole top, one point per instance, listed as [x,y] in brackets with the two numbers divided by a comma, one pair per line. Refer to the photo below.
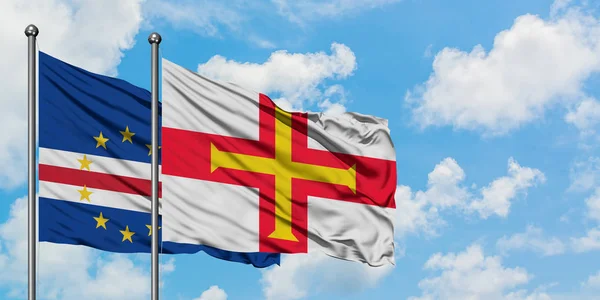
[32,30]
[154,38]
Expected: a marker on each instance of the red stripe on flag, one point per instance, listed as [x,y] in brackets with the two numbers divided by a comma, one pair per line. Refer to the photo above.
[375,178]
[102,181]
[189,157]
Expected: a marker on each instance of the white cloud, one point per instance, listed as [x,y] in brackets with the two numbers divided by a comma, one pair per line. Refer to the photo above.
[472,275]
[496,196]
[443,184]
[167,267]
[298,78]
[302,11]
[428,51]
[585,175]
[586,116]
[95,276]
[213,18]
[261,42]
[514,83]
[332,108]
[559,6]
[334,100]
[419,211]
[116,278]
[593,282]
[301,275]
[204,16]
[415,214]
[532,239]
[69,30]
[590,242]
[593,205]
[525,295]
[213,293]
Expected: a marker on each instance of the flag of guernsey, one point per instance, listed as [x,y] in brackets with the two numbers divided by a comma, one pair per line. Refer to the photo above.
[94,166]
[241,174]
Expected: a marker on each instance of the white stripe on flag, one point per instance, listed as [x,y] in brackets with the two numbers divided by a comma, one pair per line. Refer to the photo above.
[101,164]
[221,215]
[332,224]
[204,98]
[351,133]
[67,192]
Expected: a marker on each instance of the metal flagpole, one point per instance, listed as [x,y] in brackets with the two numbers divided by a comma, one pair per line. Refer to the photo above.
[154,39]
[31,32]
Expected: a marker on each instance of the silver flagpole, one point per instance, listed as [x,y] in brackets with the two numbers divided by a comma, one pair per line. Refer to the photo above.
[31,32]
[154,39]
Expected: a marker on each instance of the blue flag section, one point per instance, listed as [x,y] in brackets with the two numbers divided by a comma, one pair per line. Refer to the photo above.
[94,165]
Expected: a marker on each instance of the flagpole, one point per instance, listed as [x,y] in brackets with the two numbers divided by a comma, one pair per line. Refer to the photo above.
[154,39]
[31,32]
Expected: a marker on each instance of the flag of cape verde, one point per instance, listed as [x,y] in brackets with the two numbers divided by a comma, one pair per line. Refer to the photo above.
[94,165]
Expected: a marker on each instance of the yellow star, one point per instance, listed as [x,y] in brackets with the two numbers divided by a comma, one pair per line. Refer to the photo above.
[127,135]
[150,229]
[127,234]
[85,163]
[85,194]
[150,147]
[101,221]
[101,140]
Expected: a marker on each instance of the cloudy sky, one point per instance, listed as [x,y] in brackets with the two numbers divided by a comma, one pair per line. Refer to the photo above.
[493,108]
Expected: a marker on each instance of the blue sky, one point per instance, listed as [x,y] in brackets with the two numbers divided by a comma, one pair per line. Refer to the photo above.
[491,105]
